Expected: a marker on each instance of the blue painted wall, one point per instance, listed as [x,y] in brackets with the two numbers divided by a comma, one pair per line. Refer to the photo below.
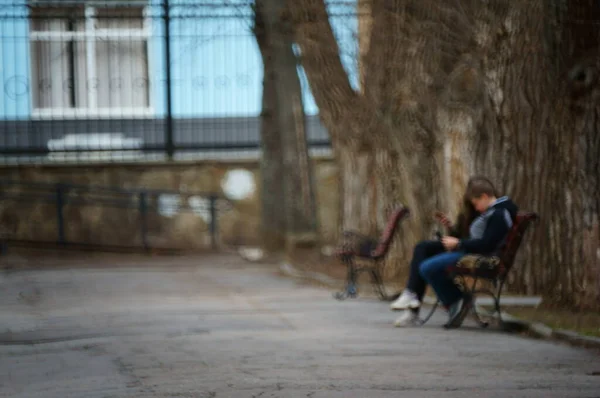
[216,69]
[215,63]
[15,101]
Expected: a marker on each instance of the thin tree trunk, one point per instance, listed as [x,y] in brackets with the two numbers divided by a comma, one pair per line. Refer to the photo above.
[300,207]
[273,208]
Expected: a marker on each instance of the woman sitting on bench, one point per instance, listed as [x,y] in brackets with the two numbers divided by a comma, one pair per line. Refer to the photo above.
[482,227]
[410,300]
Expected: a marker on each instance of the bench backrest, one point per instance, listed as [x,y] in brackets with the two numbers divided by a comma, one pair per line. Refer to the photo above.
[386,238]
[514,239]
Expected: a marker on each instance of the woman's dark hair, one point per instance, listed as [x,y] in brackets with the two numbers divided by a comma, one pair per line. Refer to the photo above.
[480,185]
[466,216]
[477,186]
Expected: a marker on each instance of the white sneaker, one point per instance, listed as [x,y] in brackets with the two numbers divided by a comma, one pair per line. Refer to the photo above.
[406,300]
[407,318]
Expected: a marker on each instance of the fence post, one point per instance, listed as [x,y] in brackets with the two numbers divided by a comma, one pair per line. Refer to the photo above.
[214,227]
[60,202]
[143,207]
[170,148]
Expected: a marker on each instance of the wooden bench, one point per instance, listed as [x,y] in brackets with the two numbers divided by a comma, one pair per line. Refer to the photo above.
[370,252]
[493,269]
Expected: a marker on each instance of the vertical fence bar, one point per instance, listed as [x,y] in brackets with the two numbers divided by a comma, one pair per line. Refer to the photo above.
[3,244]
[60,202]
[169,121]
[143,207]
[214,227]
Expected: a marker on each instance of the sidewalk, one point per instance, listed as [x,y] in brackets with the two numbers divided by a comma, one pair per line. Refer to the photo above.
[221,327]
[522,324]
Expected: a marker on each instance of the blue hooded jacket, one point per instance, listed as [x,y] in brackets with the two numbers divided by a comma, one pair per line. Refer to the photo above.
[488,232]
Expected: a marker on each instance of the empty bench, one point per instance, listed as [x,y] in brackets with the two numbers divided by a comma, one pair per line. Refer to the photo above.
[361,253]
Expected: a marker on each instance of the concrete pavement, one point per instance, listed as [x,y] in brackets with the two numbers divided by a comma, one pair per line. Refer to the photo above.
[220,327]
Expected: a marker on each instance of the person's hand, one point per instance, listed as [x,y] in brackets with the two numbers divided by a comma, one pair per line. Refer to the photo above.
[443,219]
[449,242]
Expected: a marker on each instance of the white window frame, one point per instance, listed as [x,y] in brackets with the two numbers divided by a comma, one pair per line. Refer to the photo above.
[90,35]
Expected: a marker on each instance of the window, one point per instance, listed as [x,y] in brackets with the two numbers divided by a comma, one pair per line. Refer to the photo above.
[89,59]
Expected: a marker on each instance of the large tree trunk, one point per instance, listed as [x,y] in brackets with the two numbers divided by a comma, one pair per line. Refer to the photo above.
[398,84]
[500,91]
[299,196]
[342,111]
[529,135]
[385,143]
[533,143]
[581,46]
[510,94]
[366,145]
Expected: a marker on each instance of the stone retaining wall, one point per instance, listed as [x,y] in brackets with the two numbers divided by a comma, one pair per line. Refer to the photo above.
[178,222]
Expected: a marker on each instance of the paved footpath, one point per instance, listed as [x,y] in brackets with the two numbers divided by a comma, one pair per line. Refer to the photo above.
[220,327]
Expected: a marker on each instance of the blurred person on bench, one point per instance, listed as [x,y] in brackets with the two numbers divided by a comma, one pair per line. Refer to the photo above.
[481,228]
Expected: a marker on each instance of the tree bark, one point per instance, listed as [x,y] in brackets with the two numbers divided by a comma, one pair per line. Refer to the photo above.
[376,146]
[297,182]
[273,208]
[511,94]
[539,142]
[365,23]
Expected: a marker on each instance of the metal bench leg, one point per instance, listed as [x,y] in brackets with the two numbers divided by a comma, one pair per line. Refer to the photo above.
[497,304]
[424,320]
[378,286]
[350,289]
[478,319]
[473,292]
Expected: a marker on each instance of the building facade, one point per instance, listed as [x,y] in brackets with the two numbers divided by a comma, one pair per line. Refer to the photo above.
[92,77]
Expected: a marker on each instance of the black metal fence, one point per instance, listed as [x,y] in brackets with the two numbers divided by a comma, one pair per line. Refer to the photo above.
[130,80]
[68,215]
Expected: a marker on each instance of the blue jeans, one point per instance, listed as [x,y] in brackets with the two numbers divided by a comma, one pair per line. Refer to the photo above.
[433,270]
[423,250]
